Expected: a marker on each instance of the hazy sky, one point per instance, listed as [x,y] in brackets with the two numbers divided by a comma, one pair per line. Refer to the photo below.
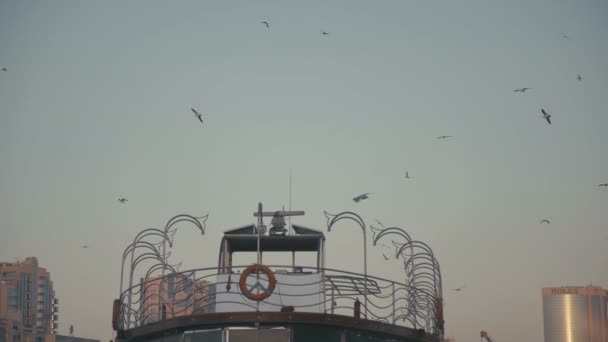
[95,106]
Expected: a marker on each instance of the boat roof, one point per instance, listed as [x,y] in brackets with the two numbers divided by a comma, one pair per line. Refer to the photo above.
[244,239]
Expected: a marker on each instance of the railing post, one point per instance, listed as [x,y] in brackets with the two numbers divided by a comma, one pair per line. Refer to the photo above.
[332,300]
[193,292]
[394,303]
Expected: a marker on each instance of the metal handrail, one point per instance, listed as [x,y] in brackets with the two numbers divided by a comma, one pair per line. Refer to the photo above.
[189,292]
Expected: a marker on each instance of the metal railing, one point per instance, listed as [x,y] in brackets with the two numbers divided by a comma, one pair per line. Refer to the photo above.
[326,290]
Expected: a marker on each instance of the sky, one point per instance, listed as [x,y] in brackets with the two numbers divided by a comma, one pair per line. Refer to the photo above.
[95,105]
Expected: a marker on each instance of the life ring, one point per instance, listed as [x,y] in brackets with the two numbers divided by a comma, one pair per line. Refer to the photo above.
[266,292]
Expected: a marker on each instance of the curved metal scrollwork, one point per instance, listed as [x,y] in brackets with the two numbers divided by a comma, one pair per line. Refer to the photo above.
[422,271]
[349,215]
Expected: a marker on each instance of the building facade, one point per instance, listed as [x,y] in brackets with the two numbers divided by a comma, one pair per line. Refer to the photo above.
[575,314]
[181,296]
[28,309]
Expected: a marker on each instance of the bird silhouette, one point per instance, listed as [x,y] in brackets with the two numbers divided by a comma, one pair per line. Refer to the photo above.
[545,221]
[382,225]
[4,69]
[546,115]
[579,78]
[84,246]
[265,23]
[458,289]
[564,36]
[407,175]
[444,136]
[603,184]
[521,90]
[324,33]
[361,197]
[123,200]
[197,114]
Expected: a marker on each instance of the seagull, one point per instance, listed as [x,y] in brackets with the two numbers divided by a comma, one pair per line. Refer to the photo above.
[546,115]
[545,221]
[324,33]
[265,23]
[444,137]
[385,257]
[4,69]
[197,114]
[361,197]
[123,200]
[520,90]
[407,176]
[579,77]
[565,37]
[603,184]
[459,288]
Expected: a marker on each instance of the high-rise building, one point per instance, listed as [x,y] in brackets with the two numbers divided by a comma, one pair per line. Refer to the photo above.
[28,309]
[575,314]
[181,295]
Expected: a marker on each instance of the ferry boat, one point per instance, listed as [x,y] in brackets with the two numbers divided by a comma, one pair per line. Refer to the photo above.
[276,303]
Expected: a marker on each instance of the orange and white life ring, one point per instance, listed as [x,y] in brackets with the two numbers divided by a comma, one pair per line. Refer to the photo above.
[266,291]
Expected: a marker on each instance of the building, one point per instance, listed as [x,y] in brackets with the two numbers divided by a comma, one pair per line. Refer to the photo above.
[181,295]
[28,309]
[573,314]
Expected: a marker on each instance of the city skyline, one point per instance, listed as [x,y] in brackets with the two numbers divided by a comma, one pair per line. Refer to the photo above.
[95,106]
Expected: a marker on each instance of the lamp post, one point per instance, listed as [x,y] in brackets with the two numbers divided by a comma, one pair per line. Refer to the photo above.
[348,215]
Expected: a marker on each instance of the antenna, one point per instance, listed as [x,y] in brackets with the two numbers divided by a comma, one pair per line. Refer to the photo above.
[289,218]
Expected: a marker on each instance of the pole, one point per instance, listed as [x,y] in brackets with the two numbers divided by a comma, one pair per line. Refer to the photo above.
[365,266]
[393,302]
[260,223]
[289,200]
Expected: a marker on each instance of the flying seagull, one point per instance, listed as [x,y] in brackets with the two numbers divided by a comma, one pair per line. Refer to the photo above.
[459,288]
[545,221]
[123,200]
[265,23]
[361,197]
[603,184]
[380,223]
[407,175]
[579,77]
[197,114]
[444,137]
[324,33]
[520,90]
[546,115]
[564,36]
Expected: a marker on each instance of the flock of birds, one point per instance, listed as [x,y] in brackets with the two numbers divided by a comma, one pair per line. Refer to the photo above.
[546,116]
